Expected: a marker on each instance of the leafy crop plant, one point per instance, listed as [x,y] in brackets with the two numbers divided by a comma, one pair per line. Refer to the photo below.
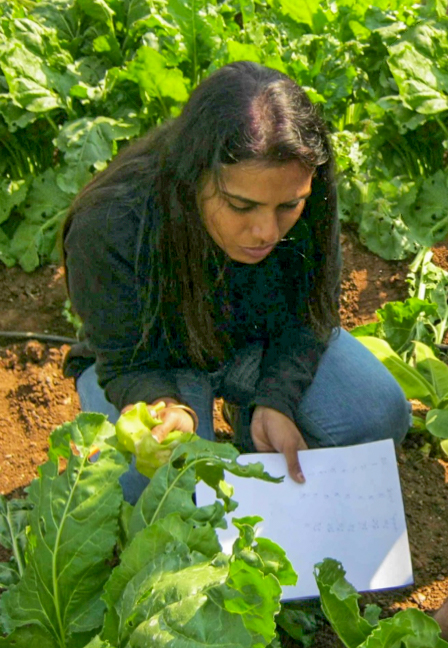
[89,570]
[407,629]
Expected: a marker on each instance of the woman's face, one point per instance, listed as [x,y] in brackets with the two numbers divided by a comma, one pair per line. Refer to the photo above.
[254,206]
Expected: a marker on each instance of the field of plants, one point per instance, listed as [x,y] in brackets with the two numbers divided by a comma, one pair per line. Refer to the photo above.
[80,78]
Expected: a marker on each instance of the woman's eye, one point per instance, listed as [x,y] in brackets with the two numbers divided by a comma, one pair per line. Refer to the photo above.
[247,208]
[290,206]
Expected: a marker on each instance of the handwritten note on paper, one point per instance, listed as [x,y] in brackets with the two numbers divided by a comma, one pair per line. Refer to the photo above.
[350,509]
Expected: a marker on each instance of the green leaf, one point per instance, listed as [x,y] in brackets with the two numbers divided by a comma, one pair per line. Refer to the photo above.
[88,144]
[8,575]
[301,12]
[62,16]
[434,370]
[437,422]
[372,614]
[98,643]
[299,624]
[275,561]
[408,628]
[201,28]
[133,430]
[243,52]
[45,199]
[171,535]
[34,637]
[99,10]
[193,622]
[383,233]
[28,81]
[422,83]
[339,602]
[13,524]
[12,193]
[428,221]
[413,384]
[73,530]
[5,250]
[149,70]
[255,597]
[371,329]
[400,321]
[172,490]
[24,245]
[444,446]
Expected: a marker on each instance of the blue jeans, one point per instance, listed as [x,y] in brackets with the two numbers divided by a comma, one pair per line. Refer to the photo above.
[353,399]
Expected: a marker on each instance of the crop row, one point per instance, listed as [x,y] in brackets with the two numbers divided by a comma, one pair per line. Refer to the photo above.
[80,77]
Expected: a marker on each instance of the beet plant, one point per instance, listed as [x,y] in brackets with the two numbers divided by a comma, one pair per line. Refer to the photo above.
[90,570]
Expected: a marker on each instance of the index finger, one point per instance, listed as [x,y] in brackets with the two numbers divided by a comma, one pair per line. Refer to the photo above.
[292,461]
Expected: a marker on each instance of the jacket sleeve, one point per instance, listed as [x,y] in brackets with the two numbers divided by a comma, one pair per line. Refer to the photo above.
[287,370]
[103,287]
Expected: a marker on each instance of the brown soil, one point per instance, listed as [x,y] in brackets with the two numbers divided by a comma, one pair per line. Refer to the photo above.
[35,398]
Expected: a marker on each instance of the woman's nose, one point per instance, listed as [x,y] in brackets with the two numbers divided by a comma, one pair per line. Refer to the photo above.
[266,229]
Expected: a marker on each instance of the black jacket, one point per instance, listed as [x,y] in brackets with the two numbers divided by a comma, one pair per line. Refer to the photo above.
[262,302]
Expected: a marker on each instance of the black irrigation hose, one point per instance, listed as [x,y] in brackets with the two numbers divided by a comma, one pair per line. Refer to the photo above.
[21,335]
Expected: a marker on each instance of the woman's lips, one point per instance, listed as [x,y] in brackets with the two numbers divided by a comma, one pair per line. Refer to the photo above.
[258,252]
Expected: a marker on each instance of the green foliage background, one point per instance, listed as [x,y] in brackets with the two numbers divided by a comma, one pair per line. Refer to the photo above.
[80,77]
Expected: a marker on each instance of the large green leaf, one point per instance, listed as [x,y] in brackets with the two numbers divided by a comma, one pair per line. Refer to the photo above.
[12,193]
[201,28]
[411,381]
[301,12]
[339,602]
[33,637]
[88,144]
[437,422]
[384,232]
[414,62]
[407,629]
[434,370]
[99,10]
[5,250]
[45,199]
[28,79]
[401,321]
[428,221]
[159,560]
[62,16]
[73,530]
[193,622]
[149,70]
[172,490]
[13,524]
[35,67]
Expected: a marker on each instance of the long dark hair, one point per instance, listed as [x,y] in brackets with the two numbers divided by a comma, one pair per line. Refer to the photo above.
[243,111]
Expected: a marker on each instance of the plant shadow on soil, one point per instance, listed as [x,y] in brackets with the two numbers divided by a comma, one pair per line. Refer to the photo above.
[35,398]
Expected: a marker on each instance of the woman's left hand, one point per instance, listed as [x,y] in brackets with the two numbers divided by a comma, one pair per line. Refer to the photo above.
[272,431]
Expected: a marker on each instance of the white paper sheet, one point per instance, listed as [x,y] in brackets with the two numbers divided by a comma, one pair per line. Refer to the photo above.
[350,509]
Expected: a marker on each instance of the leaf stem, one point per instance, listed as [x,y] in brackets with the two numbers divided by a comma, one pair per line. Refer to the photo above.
[15,547]
[64,516]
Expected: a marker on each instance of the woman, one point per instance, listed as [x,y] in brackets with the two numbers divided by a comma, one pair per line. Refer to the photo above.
[205,261]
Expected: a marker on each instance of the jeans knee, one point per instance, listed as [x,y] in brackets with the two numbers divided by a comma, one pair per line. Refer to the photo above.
[394,420]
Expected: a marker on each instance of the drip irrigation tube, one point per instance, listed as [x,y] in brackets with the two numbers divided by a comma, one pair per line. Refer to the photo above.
[43,337]
[27,335]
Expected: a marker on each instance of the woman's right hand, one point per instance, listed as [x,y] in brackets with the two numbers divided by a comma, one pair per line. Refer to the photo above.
[173,417]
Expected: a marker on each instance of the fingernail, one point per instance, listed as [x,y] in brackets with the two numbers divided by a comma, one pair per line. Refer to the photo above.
[301,478]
